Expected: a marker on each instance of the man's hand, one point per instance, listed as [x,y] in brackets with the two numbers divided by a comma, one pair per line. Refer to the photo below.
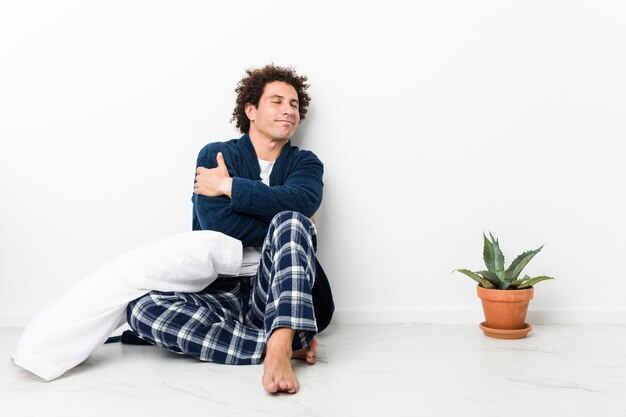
[213,182]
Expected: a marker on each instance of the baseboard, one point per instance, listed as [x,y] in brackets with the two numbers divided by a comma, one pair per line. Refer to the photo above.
[418,316]
[472,317]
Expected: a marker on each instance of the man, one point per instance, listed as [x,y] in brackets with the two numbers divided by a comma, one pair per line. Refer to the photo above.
[263,191]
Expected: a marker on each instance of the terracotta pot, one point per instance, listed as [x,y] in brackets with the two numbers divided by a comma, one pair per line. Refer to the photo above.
[505,309]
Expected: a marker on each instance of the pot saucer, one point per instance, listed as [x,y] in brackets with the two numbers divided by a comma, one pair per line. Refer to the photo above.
[506,334]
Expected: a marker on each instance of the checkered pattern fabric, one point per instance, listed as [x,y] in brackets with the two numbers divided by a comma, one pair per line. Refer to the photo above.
[230,321]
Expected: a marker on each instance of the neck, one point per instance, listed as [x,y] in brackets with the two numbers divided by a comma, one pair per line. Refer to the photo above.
[267,149]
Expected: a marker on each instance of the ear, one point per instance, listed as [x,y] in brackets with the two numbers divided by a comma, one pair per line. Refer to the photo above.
[250,111]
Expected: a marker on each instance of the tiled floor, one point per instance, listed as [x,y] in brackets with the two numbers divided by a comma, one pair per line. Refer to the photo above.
[363,370]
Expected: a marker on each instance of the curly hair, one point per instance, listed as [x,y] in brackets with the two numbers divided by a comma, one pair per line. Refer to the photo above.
[250,89]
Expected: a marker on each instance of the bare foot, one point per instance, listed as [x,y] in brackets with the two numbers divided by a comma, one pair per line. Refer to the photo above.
[307,354]
[277,372]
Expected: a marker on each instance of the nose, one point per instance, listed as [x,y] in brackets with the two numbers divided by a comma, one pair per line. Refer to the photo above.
[288,109]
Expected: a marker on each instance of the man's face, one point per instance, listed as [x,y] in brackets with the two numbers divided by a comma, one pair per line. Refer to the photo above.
[278,115]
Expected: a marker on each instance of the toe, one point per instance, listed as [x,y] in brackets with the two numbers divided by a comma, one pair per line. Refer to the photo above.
[269,384]
[271,387]
[283,385]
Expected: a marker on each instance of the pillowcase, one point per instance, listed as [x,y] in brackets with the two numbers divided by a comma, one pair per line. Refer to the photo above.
[71,329]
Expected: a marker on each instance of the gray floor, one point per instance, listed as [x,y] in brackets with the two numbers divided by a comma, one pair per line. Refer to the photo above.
[363,370]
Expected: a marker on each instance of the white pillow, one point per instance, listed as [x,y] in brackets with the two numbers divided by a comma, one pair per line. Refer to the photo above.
[79,322]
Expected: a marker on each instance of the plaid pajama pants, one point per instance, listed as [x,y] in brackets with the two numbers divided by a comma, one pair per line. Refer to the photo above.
[231,320]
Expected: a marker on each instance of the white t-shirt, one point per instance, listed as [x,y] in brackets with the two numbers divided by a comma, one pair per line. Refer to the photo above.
[266,170]
[252,255]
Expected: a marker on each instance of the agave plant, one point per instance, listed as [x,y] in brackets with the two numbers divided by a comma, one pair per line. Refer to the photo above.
[496,276]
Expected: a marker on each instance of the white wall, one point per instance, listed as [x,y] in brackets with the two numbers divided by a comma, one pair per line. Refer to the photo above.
[436,120]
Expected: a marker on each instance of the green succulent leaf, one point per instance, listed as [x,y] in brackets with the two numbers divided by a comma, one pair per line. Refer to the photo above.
[499,256]
[501,276]
[492,255]
[529,283]
[519,263]
[491,277]
[473,275]
[518,282]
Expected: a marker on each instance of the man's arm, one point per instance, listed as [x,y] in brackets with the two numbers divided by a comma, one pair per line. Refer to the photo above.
[213,212]
[301,192]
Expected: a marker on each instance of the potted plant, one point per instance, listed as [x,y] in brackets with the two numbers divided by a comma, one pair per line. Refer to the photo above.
[504,295]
